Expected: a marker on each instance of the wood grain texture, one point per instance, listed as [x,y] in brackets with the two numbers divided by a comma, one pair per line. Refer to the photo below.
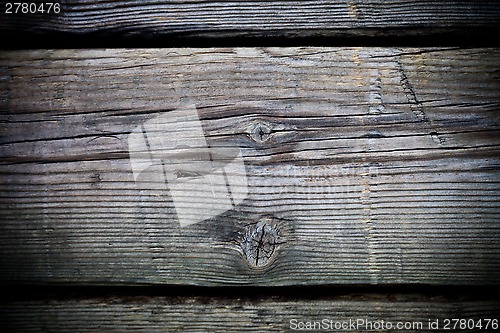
[369,165]
[272,314]
[284,19]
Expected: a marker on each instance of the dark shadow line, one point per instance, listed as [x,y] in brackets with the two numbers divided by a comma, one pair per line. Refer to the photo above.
[383,37]
[321,292]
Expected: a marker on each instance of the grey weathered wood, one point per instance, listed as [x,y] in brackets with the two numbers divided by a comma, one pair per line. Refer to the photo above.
[218,314]
[181,19]
[369,165]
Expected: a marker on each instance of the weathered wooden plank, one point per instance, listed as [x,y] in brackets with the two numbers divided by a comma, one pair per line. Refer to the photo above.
[149,20]
[357,313]
[362,165]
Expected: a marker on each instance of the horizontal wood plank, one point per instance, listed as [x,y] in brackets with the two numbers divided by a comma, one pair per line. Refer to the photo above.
[146,20]
[362,166]
[358,313]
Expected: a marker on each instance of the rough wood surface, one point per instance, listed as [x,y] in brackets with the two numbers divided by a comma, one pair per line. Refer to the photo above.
[364,165]
[180,19]
[235,314]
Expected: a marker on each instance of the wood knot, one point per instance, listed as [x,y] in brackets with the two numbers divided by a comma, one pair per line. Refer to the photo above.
[261,132]
[261,241]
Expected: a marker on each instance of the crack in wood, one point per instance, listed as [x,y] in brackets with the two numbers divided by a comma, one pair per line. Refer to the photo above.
[416,106]
[375,95]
